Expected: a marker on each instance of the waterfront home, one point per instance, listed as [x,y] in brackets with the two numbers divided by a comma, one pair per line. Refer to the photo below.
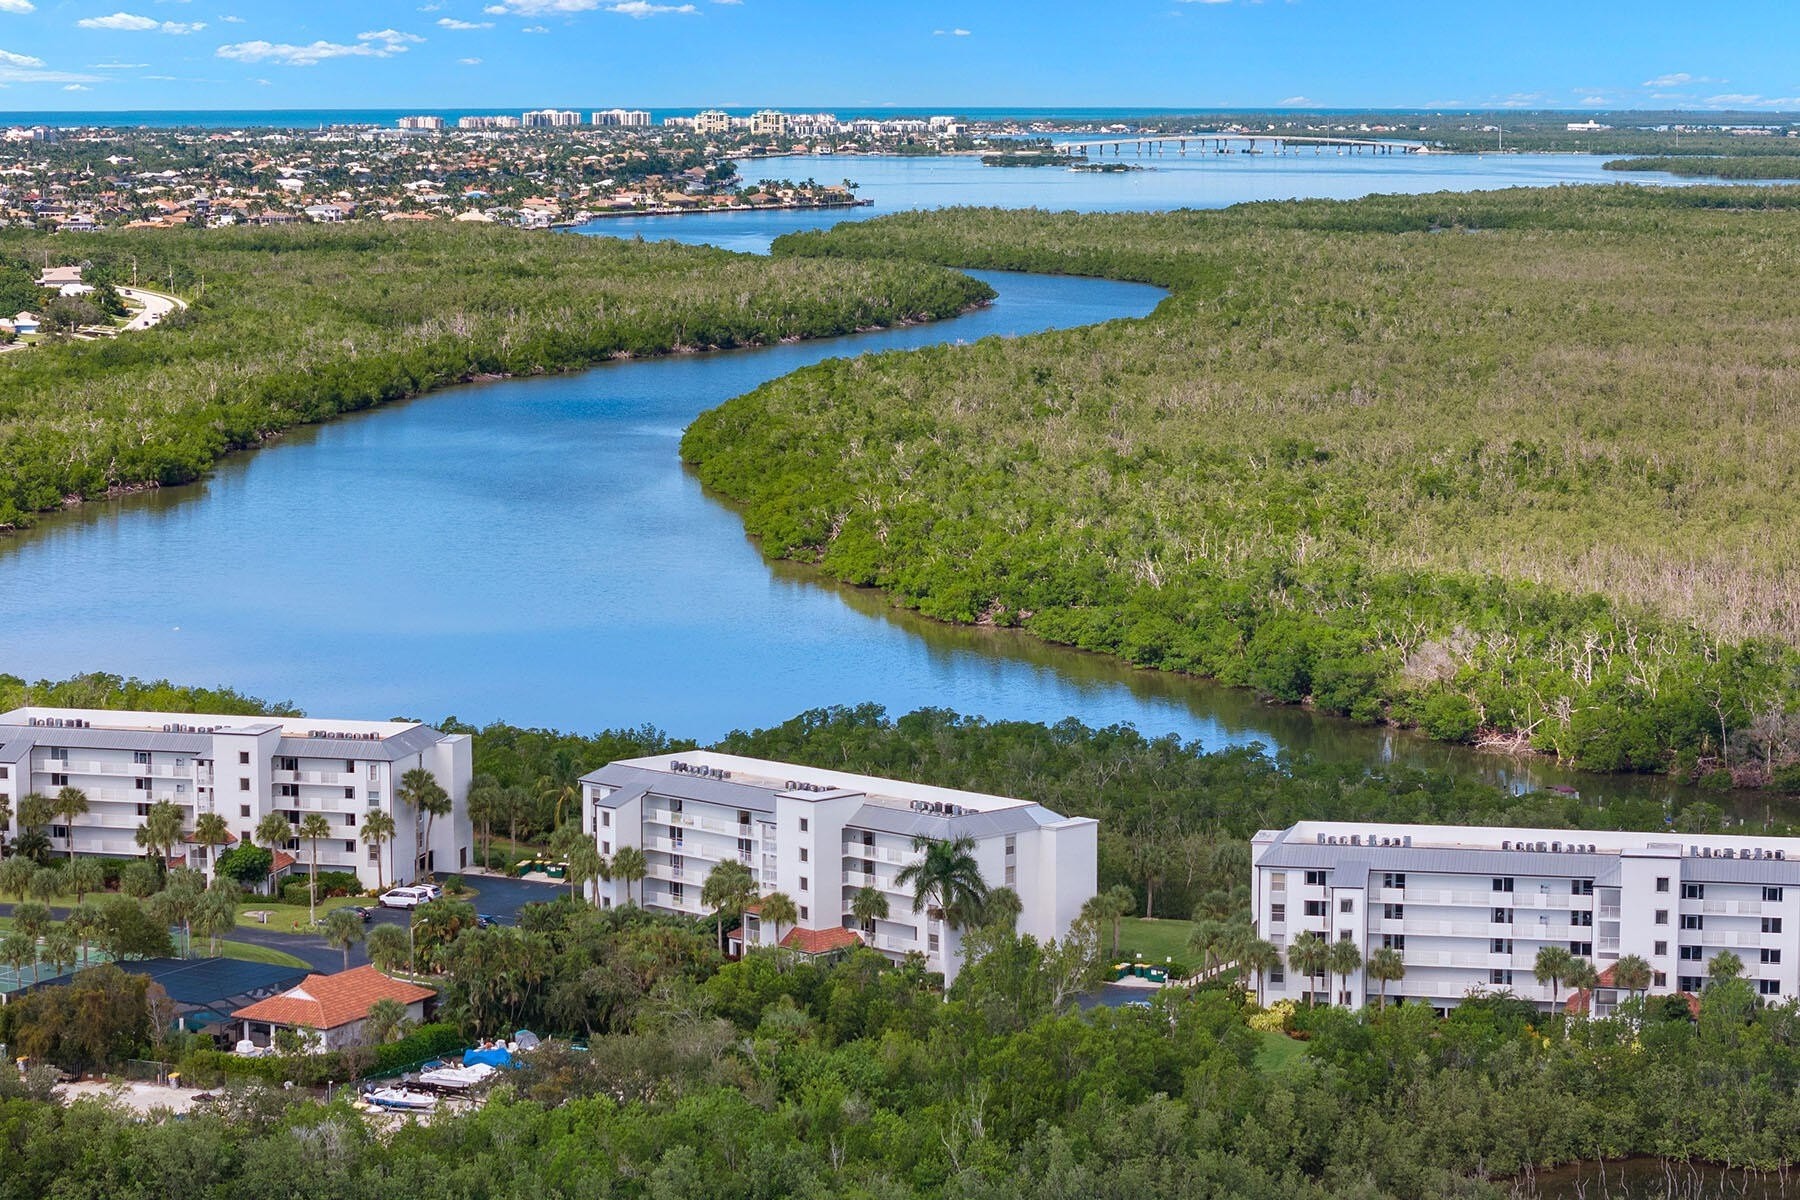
[329,1011]
[241,768]
[24,323]
[821,836]
[1469,908]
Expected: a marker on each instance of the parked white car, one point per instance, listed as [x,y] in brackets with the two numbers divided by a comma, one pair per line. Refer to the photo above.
[405,897]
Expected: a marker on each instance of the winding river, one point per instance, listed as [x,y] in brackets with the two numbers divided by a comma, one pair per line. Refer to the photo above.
[533,550]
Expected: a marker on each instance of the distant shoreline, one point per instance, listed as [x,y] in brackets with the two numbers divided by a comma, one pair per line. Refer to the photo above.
[705,210]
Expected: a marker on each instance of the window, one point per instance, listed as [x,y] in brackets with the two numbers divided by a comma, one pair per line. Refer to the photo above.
[1659,948]
[1771,924]
[1345,935]
[1345,904]
[284,763]
[1693,891]
[1503,884]
[140,756]
[1500,945]
[675,892]
[1278,881]
[374,797]
[288,791]
[243,810]
[931,943]
[804,825]
[1582,949]
[1662,883]
[243,758]
[606,847]
[803,854]
[1393,941]
[349,793]
[1771,955]
[1582,918]
[1394,879]
[1012,843]
[1693,921]
[1768,987]
[605,819]
[1688,983]
[374,852]
[1315,879]
[3,774]
[1690,954]
[243,785]
[374,772]
[349,818]
[143,810]
[350,847]
[59,780]
[1662,916]
[1278,913]
[1277,975]
[1659,979]
[1393,912]
[1501,916]
[805,913]
[57,831]
[142,784]
[803,886]
[1500,976]
[1581,887]
[1772,895]
[1315,908]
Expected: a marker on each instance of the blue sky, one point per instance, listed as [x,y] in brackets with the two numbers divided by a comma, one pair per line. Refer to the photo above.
[504,54]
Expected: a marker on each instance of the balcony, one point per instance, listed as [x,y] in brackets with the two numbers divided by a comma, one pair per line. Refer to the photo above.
[899,858]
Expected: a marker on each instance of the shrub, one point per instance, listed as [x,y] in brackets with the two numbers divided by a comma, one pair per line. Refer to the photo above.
[209,1067]
[339,883]
[1277,1018]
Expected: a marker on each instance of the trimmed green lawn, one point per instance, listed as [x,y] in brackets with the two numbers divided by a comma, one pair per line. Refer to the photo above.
[1153,939]
[245,952]
[1278,1053]
[289,918]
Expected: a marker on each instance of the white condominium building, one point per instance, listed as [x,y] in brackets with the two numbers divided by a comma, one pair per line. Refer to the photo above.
[421,122]
[622,118]
[1469,907]
[821,836]
[542,118]
[713,120]
[241,768]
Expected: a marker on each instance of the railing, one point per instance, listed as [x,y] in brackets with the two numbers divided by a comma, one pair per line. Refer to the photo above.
[1716,938]
[902,858]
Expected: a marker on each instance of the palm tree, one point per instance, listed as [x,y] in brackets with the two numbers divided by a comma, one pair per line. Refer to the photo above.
[216,913]
[869,905]
[1582,977]
[343,929]
[1633,973]
[1001,910]
[60,947]
[314,829]
[1387,965]
[1345,960]
[1260,957]
[71,802]
[1114,905]
[1724,966]
[1208,941]
[86,921]
[729,889]
[36,810]
[18,949]
[1308,954]
[947,880]
[274,830]
[83,875]
[46,884]
[629,865]
[1552,967]
[778,909]
[387,1017]
[585,864]
[486,803]
[15,876]
[6,816]
[161,830]
[378,827]
[420,789]
[30,921]
[389,947]
[210,833]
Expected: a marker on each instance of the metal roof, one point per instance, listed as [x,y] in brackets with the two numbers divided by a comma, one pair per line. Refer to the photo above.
[388,749]
[109,739]
[1740,870]
[883,818]
[703,788]
[1601,868]
[1353,873]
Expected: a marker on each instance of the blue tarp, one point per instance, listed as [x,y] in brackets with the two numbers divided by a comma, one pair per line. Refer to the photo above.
[499,1056]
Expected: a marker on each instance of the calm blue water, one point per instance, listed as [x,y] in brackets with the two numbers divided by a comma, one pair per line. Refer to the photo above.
[533,550]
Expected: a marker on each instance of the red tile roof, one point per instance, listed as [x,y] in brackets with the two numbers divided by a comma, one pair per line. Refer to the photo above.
[820,941]
[282,861]
[328,1001]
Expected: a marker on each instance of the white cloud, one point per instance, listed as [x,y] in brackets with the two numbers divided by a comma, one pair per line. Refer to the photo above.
[76,87]
[949,33]
[469,62]
[117,66]
[232,20]
[17,6]
[637,9]
[132,23]
[1296,101]
[453,23]
[8,58]
[1752,100]
[382,43]
[23,68]
[1595,101]
[535,29]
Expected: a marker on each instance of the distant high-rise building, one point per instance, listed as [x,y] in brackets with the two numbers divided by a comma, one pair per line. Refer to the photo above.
[713,120]
[622,118]
[421,122]
[488,122]
[547,118]
[769,123]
